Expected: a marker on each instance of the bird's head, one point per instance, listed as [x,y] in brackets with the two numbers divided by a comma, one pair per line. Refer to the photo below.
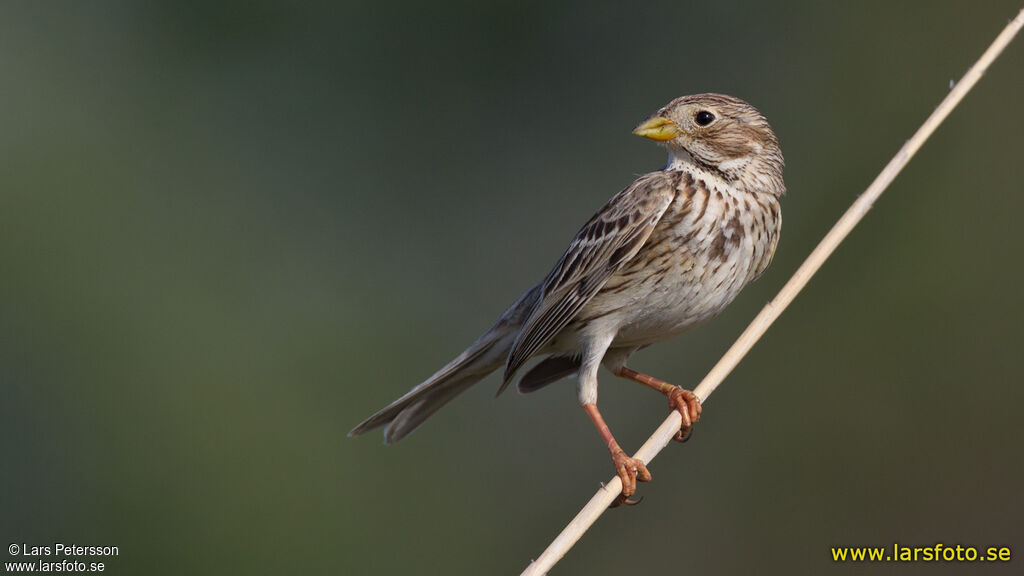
[721,135]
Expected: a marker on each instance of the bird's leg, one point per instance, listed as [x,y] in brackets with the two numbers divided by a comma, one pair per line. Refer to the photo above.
[680,399]
[629,469]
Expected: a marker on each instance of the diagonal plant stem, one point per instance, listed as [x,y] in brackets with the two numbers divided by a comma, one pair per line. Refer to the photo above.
[661,437]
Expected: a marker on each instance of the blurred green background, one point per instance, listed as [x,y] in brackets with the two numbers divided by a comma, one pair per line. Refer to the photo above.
[230,231]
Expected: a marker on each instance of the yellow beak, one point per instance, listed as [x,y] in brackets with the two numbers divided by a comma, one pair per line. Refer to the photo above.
[657,128]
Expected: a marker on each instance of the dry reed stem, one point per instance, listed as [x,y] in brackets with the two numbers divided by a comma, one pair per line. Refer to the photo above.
[663,435]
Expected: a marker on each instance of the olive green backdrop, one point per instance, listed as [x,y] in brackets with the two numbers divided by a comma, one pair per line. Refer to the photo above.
[230,231]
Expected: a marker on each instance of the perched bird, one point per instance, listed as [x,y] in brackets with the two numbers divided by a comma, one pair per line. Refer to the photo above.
[661,257]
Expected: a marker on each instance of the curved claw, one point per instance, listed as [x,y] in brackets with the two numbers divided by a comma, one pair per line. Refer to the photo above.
[625,500]
[630,470]
[688,405]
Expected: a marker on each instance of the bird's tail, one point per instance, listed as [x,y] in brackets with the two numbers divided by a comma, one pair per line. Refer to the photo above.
[486,355]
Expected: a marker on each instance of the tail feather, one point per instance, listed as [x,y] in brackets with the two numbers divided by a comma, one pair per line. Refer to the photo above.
[486,355]
[403,415]
[552,369]
[422,408]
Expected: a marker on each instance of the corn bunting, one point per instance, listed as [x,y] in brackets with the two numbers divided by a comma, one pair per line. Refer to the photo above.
[661,257]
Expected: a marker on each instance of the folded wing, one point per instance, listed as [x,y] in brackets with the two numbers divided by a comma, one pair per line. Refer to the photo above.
[610,239]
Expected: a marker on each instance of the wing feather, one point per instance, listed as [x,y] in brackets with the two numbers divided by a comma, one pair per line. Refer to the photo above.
[605,243]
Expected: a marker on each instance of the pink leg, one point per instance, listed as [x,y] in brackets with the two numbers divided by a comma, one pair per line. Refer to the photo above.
[680,399]
[629,469]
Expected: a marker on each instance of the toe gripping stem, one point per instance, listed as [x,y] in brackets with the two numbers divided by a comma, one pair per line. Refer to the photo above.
[630,470]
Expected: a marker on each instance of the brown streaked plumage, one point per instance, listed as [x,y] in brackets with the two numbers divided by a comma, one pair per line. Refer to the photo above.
[661,257]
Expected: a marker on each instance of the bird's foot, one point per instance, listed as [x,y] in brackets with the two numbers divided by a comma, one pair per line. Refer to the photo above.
[630,470]
[681,399]
[688,405]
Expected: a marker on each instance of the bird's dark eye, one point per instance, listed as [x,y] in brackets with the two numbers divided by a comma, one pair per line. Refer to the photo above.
[703,118]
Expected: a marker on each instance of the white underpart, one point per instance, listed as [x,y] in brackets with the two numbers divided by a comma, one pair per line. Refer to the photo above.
[655,310]
[594,349]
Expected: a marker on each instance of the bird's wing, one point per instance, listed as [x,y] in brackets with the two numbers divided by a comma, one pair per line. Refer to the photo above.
[610,239]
